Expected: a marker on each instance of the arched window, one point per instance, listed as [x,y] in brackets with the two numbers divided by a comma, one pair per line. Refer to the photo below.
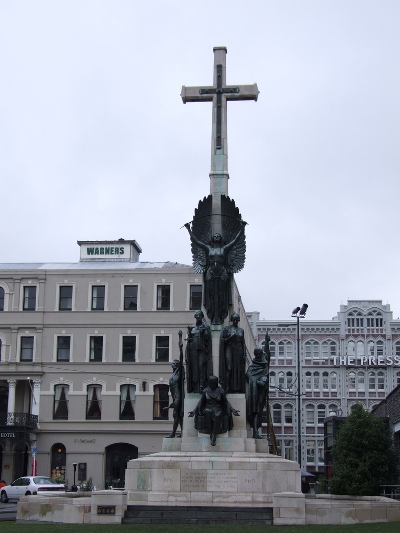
[333,381]
[374,320]
[332,409]
[308,381]
[379,348]
[310,414]
[2,295]
[277,413]
[281,380]
[360,381]
[325,381]
[360,348]
[160,401]
[350,348]
[397,348]
[328,349]
[371,380]
[93,403]
[316,380]
[289,379]
[272,379]
[288,410]
[355,320]
[60,411]
[272,349]
[352,380]
[321,413]
[127,402]
[285,349]
[381,380]
[311,349]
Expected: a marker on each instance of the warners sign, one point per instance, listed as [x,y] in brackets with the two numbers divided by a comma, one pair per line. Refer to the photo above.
[105,250]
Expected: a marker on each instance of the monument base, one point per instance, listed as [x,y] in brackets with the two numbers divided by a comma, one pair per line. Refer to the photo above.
[210,477]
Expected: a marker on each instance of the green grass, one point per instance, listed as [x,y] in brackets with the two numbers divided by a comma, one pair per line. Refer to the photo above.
[12,527]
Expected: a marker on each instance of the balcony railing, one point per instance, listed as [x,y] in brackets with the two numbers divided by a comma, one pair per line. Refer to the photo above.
[26,420]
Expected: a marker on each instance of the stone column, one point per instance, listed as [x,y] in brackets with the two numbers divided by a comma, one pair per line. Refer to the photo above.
[11,400]
[36,397]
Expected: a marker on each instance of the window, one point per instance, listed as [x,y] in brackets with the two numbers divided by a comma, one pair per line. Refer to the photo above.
[272,379]
[333,409]
[312,349]
[161,400]
[371,380]
[310,414]
[360,381]
[325,381]
[316,380]
[321,413]
[65,302]
[289,379]
[350,348]
[397,348]
[355,320]
[281,380]
[130,297]
[310,445]
[127,402]
[272,349]
[288,412]
[328,349]
[381,381]
[277,413]
[1,299]
[29,302]
[320,447]
[60,410]
[397,378]
[93,404]
[163,297]
[196,297]
[96,349]
[308,381]
[352,380]
[333,380]
[288,447]
[285,349]
[63,348]
[360,348]
[27,348]
[162,349]
[379,348]
[98,297]
[128,349]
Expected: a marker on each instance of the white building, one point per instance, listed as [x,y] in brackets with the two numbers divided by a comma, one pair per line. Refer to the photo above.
[354,357]
[85,359]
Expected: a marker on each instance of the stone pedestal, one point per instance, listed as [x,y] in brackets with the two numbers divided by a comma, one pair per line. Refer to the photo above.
[210,478]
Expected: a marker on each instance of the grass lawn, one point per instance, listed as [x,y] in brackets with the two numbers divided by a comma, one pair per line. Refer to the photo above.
[12,527]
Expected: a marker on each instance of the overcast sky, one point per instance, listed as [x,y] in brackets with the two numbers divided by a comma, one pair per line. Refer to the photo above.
[95,142]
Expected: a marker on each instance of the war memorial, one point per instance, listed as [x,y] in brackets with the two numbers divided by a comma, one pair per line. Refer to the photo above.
[215,465]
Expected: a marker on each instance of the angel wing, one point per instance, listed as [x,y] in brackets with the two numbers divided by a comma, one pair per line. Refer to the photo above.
[231,225]
[201,228]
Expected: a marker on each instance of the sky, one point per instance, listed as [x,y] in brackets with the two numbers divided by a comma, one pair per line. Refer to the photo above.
[95,142]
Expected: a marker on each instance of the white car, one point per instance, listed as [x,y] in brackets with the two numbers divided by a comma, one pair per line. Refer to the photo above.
[23,486]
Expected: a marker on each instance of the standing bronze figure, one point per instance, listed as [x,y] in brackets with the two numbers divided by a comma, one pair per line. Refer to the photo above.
[177,389]
[198,354]
[232,357]
[257,376]
[217,256]
[213,413]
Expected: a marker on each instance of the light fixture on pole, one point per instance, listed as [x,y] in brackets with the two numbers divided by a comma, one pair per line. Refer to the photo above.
[299,312]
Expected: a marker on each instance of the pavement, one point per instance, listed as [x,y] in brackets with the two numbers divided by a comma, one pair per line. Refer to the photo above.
[8,511]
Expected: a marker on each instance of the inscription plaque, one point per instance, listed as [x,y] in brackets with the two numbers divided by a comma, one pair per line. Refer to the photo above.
[222,480]
[106,509]
[194,480]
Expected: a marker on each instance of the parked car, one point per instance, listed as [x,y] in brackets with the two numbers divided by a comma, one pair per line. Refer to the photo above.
[26,485]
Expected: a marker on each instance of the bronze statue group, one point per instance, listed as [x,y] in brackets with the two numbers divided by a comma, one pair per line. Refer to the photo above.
[213,413]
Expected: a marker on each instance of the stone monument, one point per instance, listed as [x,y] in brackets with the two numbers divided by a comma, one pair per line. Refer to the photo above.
[230,466]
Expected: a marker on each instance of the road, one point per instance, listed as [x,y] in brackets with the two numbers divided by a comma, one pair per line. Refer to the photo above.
[8,511]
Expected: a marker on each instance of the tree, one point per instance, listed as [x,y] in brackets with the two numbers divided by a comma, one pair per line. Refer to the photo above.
[363,455]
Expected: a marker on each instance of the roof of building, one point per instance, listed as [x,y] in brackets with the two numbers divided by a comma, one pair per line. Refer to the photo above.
[92,265]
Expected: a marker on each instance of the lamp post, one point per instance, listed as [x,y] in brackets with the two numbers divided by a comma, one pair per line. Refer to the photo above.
[299,312]
[74,488]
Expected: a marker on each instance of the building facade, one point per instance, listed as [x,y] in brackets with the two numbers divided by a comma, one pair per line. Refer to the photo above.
[352,358]
[85,360]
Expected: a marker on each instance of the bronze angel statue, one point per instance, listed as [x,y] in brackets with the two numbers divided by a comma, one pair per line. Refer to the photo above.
[217,256]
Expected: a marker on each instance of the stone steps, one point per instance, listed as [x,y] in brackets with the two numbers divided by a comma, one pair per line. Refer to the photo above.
[161,514]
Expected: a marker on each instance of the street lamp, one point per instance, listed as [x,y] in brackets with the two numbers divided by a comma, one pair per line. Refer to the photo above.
[299,312]
[74,488]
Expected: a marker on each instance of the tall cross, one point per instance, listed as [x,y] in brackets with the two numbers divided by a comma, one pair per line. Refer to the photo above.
[219,93]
